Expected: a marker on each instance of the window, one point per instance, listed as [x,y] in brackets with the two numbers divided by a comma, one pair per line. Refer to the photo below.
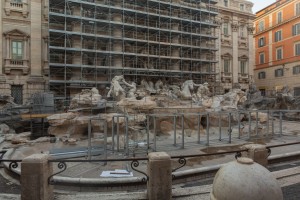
[242,7]
[262,92]
[279,17]
[279,72]
[242,32]
[296,91]
[225,29]
[261,75]
[297,49]
[17,50]
[261,26]
[296,69]
[261,41]
[298,9]
[226,3]
[261,58]
[17,93]
[296,29]
[278,36]
[226,65]
[279,53]
[243,67]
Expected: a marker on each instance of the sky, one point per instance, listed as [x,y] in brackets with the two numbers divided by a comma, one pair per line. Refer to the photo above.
[260,4]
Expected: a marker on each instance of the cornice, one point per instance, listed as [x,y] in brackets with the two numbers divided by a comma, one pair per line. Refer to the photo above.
[277,25]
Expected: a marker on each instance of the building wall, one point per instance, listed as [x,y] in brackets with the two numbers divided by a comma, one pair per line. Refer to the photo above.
[237,45]
[23,24]
[287,43]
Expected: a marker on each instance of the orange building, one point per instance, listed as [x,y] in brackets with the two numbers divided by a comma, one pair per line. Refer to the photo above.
[277,47]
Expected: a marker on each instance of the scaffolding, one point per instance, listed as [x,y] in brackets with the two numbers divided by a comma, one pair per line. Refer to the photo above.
[91,41]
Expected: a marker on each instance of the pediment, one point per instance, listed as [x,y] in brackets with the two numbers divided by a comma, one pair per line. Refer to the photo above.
[227,55]
[16,32]
[243,57]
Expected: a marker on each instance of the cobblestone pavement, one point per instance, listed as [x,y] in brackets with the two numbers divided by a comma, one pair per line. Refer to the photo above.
[8,187]
[291,192]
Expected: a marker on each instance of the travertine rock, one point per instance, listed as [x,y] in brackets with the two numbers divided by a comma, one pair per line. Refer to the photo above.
[87,98]
[137,106]
[262,117]
[4,129]
[61,119]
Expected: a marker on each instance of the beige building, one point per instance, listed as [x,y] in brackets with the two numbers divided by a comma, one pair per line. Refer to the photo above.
[235,33]
[23,56]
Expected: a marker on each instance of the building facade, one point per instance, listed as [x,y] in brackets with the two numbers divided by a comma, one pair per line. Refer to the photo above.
[235,44]
[23,52]
[92,41]
[277,45]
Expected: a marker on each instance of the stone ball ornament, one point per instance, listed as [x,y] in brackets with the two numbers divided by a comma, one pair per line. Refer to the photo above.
[244,179]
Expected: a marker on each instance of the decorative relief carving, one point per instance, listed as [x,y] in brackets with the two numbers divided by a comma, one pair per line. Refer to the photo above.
[234,27]
[250,30]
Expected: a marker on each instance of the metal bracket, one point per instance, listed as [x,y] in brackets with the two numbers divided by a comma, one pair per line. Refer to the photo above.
[62,166]
[182,162]
[134,165]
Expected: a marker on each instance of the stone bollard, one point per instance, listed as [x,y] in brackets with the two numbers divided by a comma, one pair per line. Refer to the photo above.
[35,171]
[160,176]
[258,153]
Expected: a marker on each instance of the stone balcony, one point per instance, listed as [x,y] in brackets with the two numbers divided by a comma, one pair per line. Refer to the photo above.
[226,77]
[244,78]
[11,64]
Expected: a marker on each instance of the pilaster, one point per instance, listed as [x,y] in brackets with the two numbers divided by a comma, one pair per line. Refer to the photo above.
[235,55]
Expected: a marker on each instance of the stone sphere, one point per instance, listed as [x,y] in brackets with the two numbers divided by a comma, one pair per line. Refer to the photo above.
[244,179]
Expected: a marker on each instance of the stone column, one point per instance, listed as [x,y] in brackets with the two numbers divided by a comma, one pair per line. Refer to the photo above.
[160,176]
[7,47]
[36,38]
[251,51]
[36,80]
[258,153]
[35,171]
[235,49]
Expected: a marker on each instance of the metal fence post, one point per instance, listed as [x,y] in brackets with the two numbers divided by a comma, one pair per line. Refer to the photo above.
[199,118]
[220,126]
[118,134]
[268,122]
[148,132]
[89,136]
[174,121]
[239,125]
[256,122]
[182,125]
[249,133]
[105,141]
[229,128]
[272,123]
[126,133]
[280,123]
[154,126]
[207,129]
[113,134]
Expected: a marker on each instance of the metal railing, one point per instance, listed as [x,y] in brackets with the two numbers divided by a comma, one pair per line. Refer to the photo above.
[135,162]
